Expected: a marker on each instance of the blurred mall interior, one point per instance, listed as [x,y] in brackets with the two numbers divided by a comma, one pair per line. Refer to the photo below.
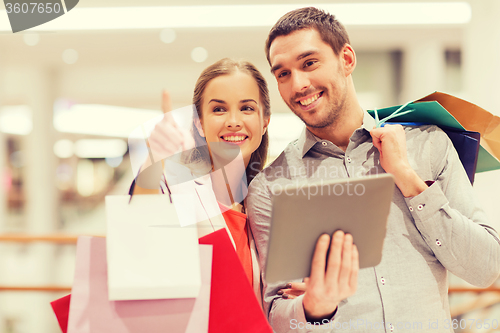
[71,94]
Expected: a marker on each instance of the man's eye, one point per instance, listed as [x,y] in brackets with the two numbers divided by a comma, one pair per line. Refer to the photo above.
[309,63]
[282,74]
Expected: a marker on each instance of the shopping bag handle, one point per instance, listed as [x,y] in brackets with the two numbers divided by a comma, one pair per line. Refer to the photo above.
[132,186]
[397,113]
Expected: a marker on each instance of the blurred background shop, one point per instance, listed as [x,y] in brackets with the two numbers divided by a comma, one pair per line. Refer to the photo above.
[71,93]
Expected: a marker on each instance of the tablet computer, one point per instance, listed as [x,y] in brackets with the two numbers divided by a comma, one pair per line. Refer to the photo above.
[302,212]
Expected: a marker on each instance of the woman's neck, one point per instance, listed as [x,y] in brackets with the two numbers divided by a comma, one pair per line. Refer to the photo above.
[229,184]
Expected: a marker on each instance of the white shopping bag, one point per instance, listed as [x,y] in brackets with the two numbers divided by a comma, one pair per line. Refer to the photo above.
[149,254]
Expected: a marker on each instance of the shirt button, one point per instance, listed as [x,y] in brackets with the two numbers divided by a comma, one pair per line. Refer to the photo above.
[382,280]
[348,159]
[324,143]
[411,209]
[391,327]
[420,207]
[438,243]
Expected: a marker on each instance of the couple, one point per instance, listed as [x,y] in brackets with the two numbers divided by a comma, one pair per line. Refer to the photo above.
[434,225]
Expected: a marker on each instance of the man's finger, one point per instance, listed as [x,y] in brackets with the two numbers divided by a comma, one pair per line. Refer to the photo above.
[376,140]
[345,265]
[319,260]
[335,257]
[353,283]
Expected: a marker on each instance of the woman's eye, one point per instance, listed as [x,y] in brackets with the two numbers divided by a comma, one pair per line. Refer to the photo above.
[218,109]
[247,108]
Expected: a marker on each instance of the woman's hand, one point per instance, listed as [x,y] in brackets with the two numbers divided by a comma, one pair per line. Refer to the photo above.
[167,137]
[292,290]
[165,140]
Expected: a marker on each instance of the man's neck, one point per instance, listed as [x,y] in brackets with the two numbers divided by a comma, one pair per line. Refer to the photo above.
[341,131]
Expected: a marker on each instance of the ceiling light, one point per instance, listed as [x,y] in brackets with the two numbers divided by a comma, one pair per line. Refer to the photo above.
[70,56]
[16,119]
[112,18]
[97,119]
[31,39]
[100,148]
[63,148]
[199,54]
[167,35]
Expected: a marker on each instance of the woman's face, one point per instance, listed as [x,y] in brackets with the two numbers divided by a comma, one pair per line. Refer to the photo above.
[232,115]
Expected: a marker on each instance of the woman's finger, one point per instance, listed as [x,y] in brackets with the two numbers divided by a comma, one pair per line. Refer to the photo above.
[166,107]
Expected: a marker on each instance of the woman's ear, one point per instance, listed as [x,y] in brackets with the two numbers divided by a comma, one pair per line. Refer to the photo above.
[265,124]
[198,126]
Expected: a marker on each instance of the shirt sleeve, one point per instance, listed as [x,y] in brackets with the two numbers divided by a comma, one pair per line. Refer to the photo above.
[284,315]
[451,222]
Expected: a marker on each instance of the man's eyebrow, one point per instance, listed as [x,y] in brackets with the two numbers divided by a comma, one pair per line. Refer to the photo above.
[306,54]
[299,57]
[275,68]
[217,101]
[248,100]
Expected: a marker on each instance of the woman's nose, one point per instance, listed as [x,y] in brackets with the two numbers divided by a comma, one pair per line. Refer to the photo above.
[234,120]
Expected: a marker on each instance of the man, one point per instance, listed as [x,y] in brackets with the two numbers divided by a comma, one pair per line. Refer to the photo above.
[434,225]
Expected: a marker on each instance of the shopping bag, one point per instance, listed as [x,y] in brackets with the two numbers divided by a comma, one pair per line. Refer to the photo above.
[61,310]
[149,254]
[439,109]
[474,118]
[466,144]
[91,311]
[233,304]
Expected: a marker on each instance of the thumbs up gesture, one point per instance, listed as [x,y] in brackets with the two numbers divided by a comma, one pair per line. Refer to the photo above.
[167,137]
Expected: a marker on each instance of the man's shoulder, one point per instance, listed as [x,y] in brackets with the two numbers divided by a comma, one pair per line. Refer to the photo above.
[280,166]
[424,133]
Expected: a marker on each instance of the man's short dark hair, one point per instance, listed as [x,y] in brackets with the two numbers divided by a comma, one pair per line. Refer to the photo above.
[330,29]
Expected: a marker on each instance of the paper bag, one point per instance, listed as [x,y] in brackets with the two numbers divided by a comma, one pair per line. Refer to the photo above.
[149,254]
[233,304]
[91,311]
[473,118]
[440,109]
[61,310]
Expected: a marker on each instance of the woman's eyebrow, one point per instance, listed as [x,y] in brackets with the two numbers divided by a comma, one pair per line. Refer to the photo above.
[217,101]
[248,100]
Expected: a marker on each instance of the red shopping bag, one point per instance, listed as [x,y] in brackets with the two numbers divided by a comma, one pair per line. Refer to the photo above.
[61,309]
[233,304]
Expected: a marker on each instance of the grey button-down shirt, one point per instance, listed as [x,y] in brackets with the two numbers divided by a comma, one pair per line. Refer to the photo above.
[442,229]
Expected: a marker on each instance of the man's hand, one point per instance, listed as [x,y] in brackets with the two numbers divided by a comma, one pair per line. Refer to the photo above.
[390,141]
[329,285]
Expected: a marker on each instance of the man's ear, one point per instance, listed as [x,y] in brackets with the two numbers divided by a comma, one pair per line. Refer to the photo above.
[198,126]
[348,57]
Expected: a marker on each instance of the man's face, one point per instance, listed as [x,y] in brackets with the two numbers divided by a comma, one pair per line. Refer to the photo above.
[311,78]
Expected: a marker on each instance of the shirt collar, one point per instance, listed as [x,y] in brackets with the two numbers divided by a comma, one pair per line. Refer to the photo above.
[307,140]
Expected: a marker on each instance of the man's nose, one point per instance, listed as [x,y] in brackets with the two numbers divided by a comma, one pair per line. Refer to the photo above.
[300,81]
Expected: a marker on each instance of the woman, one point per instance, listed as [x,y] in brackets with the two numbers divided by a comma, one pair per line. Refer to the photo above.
[229,142]
[226,148]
